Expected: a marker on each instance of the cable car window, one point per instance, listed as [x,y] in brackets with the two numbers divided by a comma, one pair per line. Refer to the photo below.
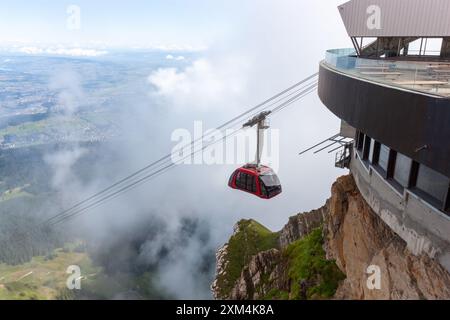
[270,180]
[272,185]
[253,184]
[269,191]
[264,192]
[250,183]
[230,182]
[241,180]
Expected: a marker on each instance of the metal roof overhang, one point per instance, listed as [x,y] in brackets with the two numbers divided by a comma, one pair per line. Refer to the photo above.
[396,18]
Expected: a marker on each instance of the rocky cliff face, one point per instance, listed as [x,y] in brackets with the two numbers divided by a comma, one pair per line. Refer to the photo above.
[302,225]
[293,266]
[341,251]
[357,239]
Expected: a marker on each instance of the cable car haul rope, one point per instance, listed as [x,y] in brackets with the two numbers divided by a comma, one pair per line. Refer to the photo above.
[265,190]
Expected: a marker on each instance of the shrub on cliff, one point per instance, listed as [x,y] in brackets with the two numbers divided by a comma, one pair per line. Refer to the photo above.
[311,275]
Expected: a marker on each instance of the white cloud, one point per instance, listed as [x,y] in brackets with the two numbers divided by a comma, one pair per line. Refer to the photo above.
[68,84]
[177,58]
[77,52]
[257,61]
[169,80]
[62,51]
[174,47]
[96,48]
[206,84]
[62,163]
[31,50]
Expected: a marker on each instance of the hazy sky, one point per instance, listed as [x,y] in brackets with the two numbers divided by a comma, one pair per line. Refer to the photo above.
[134,22]
[145,22]
[256,48]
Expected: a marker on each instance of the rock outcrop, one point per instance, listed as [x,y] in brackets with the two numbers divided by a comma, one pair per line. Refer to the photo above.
[375,261]
[359,241]
[269,274]
[302,225]
[252,284]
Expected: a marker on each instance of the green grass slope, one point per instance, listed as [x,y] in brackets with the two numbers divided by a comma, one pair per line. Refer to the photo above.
[251,238]
[43,278]
[310,275]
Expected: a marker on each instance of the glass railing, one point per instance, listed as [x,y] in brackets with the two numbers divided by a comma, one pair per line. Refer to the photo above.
[430,77]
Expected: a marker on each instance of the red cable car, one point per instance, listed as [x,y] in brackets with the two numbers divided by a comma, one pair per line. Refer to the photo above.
[256,179]
[260,181]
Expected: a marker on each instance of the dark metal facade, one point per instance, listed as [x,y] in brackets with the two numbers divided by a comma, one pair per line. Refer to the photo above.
[417,125]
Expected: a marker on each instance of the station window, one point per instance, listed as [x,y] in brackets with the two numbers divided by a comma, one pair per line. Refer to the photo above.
[372,150]
[375,154]
[402,170]
[383,159]
[432,183]
[447,204]
[366,148]
[360,141]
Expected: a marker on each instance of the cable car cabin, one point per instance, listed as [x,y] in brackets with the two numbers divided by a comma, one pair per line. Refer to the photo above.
[259,181]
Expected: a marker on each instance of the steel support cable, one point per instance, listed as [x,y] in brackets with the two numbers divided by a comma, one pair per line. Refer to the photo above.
[171,165]
[133,184]
[168,156]
[67,215]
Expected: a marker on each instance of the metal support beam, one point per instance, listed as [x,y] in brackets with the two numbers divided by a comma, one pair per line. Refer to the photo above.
[399,46]
[356,46]
[421,46]
[331,144]
[445,49]
[319,144]
[260,122]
